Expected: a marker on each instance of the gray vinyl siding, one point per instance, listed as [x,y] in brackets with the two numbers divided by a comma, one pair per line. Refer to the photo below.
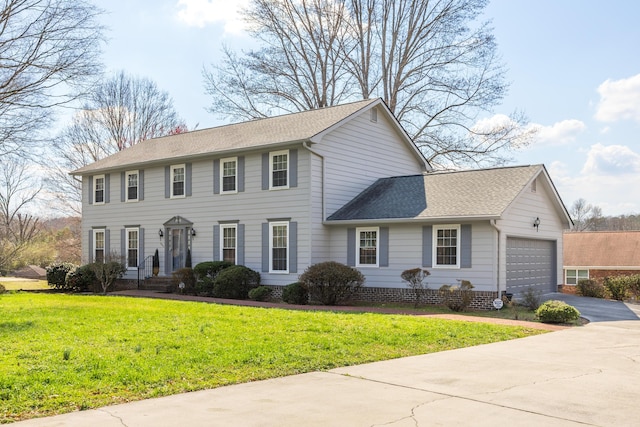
[205,209]
[358,153]
[405,251]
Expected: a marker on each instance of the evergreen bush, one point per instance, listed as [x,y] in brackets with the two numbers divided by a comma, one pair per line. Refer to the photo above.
[235,282]
[295,293]
[554,311]
[331,283]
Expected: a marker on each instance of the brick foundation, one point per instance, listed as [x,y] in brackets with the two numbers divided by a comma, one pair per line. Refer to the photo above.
[482,300]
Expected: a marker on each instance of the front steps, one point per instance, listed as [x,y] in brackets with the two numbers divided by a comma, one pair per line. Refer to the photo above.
[157,283]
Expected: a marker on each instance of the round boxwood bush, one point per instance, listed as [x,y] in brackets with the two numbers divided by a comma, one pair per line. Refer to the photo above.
[57,274]
[331,282]
[295,293]
[554,311]
[81,279]
[205,274]
[235,282]
[261,293]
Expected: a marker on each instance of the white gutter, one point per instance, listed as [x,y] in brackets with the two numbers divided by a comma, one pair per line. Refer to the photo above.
[494,225]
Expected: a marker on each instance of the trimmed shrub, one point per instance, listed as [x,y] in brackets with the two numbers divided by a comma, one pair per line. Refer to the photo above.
[261,293]
[331,283]
[590,288]
[107,272]
[531,299]
[206,272]
[457,298]
[81,279]
[187,277]
[634,285]
[235,282]
[554,311]
[295,293]
[415,277]
[57,274]
[618,287]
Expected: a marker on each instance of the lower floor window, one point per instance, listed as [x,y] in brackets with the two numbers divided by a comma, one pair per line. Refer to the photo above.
[572,277]
[229,240]
[279,244]
[367,246]
[98,246]
[132,247]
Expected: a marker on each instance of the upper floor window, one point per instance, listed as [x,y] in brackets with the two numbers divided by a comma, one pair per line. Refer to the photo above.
[228,242]
[367,255]
[132,245]
[98,189]
[229,175]
[447,245]
[279,238]
[572,277]
[178,181]
[279,169]
[98,245]
[132,185]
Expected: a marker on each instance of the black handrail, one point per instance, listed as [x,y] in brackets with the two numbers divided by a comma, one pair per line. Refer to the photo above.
[146,268]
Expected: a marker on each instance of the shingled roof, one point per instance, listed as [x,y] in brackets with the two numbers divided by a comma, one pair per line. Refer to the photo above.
[602,249]
[482,193]
[271,131]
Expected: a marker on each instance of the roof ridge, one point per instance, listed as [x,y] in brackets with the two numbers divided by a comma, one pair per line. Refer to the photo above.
[444,172]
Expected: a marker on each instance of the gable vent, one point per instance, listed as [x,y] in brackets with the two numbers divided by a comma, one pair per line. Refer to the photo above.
[534,185]
[374,115]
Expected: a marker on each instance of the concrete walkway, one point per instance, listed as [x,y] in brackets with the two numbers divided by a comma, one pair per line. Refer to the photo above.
[578,376]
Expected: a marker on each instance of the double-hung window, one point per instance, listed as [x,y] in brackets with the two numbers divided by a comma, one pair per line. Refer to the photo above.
[229,175]
[279,250]
[573,276]
[228,242]
[367,255]
[178,181]
[98,189]
[98,245]
[446,241]
[279,169]
[132,185]
[132,245]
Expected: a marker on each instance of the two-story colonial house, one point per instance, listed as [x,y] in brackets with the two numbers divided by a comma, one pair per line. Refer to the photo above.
[342,183]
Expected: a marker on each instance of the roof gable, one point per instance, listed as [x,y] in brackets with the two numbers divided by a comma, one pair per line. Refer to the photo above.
[273,131]
[602,249]
[483,193]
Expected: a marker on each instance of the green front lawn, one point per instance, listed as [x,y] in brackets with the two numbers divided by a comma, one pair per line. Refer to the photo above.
[15,284]
[61,353]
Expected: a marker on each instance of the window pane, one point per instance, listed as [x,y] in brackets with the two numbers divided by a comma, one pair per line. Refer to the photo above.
[229,176]
[132,186]
[132,248]
[447,246]
[229,244]
[99,196]
[279,248]
[279,170]
[99,246]
[368,247]
[178,181]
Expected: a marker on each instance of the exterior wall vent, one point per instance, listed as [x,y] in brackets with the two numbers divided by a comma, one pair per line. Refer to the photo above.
[374,115]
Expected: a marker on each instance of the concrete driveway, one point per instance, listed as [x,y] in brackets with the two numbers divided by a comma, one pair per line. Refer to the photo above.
[578,376]
[597,309]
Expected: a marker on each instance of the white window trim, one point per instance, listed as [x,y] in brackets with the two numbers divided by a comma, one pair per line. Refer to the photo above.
[104,242]
[173,168]
[271,226]
[126,186]
[222,228]
[364,229]
[222,162]
[578,278]
[126,247]
[104,189]
[271,156]
[434,251]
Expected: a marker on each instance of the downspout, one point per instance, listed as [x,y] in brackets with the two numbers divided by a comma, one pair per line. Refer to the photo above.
[494,225]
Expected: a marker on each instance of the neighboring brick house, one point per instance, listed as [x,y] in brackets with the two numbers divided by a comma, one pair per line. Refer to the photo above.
[598,254]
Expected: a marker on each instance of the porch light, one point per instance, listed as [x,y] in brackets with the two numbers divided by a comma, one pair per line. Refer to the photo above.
[193,232]
[161,233]
[536,223]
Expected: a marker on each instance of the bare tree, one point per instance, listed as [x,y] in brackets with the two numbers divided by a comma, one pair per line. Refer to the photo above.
[586,217]
[18,227]
[432,63]
[121,112]
[48,53]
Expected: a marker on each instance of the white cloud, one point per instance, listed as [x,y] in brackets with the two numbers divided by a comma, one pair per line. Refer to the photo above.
[559,133]
[198,13]
[612,160]
[619,100]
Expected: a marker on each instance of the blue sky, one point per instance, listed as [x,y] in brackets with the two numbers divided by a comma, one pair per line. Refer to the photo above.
[573,65]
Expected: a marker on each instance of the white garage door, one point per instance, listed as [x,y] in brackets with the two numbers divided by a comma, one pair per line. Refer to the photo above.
[531,264]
